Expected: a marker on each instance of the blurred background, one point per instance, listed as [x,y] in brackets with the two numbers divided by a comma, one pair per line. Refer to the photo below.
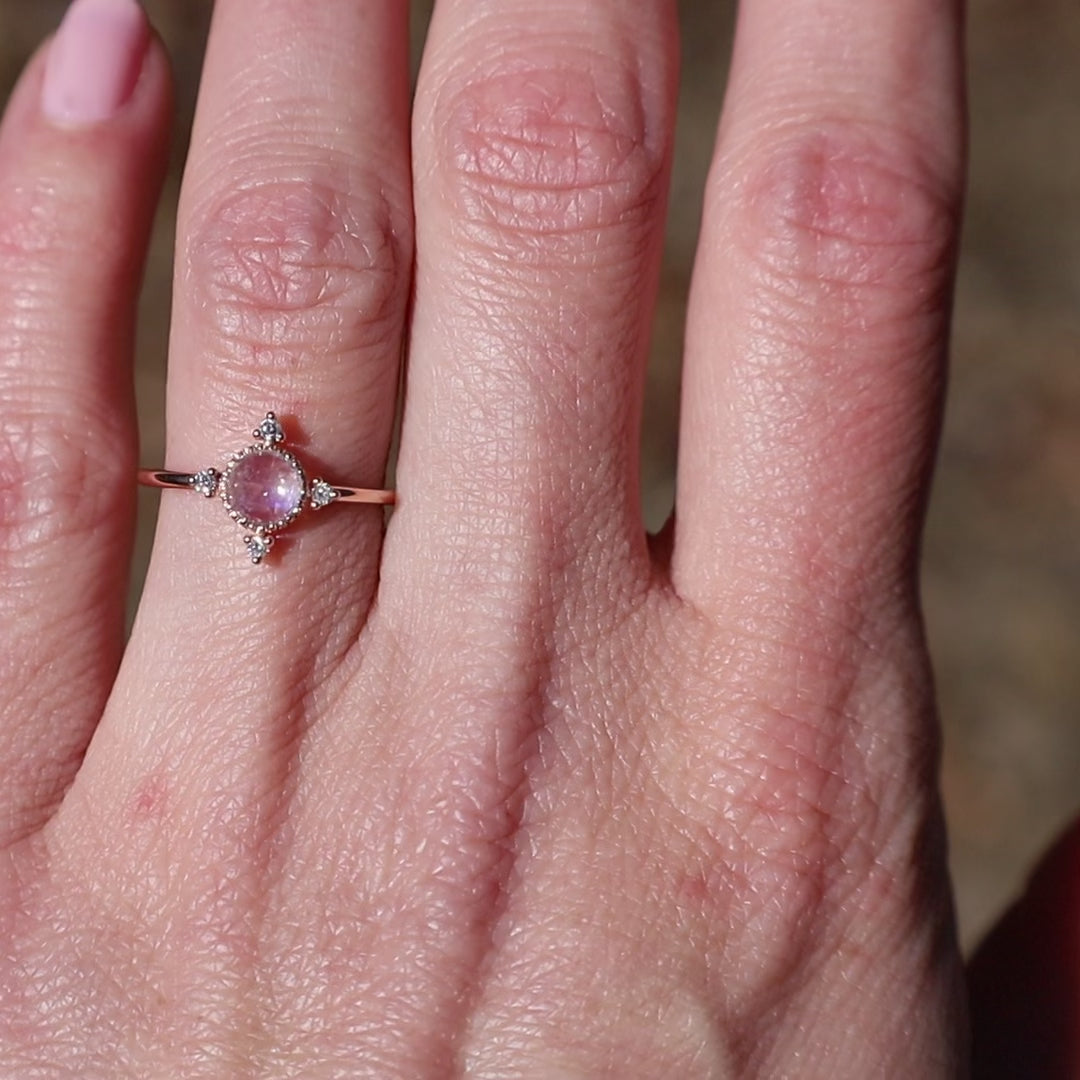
[1002,567]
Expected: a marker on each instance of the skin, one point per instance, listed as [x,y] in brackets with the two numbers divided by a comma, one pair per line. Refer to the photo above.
[504,787]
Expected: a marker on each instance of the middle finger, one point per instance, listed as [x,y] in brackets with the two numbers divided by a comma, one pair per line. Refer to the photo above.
[542,136]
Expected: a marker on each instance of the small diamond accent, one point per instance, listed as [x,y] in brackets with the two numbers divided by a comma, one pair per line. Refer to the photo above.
[258,546]
[322,494]
[206,482]
[270,430]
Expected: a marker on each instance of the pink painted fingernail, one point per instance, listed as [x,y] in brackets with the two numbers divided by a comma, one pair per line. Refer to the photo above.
[94,61]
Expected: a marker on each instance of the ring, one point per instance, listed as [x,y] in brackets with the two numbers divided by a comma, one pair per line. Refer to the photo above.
[264,488]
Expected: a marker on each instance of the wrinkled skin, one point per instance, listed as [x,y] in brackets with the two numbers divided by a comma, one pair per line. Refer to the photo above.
[498,787]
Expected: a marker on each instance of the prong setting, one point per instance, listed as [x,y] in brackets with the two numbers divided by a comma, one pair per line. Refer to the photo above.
[206,482]
[258,546]
[270,430]
[264,488]
[322,494]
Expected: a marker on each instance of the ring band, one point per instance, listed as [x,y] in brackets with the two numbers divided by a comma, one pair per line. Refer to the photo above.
[264,487]
[160,478]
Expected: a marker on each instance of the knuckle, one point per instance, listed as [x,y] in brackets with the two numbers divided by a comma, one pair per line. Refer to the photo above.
[535,152]
[863,215]
[285,267]
[818,765]
[788,833]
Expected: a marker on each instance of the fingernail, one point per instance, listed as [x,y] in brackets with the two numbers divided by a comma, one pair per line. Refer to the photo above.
[94,61]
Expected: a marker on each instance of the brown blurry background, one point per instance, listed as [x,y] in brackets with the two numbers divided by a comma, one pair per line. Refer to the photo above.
[1002,580]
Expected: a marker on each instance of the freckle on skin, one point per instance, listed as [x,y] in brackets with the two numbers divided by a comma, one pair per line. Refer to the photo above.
[148,802]
[694,888]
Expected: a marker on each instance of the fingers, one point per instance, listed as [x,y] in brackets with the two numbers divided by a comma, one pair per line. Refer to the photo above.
[294,248]
[81,157]
[292,280]
[542,141]
[815,344]
[293,254]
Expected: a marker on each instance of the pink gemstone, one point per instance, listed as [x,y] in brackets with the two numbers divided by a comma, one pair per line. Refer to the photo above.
[265,488]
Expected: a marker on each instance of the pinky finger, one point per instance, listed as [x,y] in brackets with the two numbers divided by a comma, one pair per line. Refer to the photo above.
[82,151]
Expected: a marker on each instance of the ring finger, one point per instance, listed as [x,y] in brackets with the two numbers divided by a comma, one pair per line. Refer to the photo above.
[293,249]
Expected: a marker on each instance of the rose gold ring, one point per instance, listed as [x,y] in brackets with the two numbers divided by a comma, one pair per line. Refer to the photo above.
[264,488]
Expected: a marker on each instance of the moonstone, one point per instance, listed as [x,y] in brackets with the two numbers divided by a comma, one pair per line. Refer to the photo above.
[265,488]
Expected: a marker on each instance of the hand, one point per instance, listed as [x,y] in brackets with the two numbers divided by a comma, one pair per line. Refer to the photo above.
[511,790]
